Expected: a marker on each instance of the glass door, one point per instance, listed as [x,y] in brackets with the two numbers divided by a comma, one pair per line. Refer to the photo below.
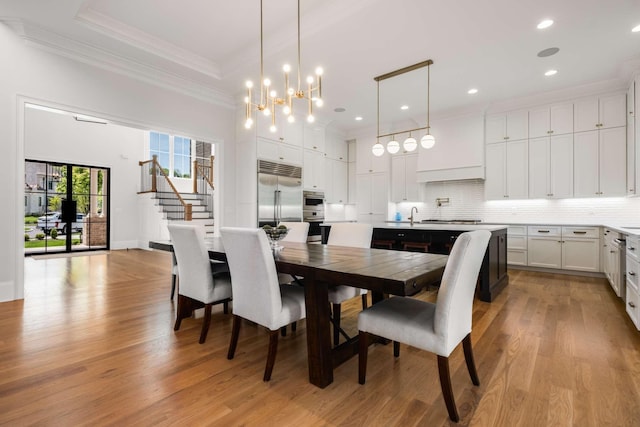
[66,208]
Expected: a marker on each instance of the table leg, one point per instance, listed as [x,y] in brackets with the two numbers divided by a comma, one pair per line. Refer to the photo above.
[318,332]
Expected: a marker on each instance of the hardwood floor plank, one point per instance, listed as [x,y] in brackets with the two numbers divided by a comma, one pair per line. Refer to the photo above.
[93,343]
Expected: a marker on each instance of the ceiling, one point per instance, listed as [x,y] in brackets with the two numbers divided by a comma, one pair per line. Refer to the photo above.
[490,45]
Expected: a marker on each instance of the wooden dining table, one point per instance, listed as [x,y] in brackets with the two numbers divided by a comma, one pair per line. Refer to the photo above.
[383,272]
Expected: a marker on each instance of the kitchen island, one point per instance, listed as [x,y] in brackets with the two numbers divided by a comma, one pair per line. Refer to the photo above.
[439,238]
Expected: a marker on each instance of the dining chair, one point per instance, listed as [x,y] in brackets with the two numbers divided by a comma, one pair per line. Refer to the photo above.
[355,235]
[439,327]
[174,275]
[298,232]
[257,295]
[199,286]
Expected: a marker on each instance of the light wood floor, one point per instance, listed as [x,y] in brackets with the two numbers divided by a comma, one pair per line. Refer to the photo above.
[93,344]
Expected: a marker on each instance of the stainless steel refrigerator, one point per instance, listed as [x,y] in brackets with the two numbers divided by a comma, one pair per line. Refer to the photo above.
[279,193]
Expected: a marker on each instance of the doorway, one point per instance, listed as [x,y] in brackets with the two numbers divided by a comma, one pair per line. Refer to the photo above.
[66,207]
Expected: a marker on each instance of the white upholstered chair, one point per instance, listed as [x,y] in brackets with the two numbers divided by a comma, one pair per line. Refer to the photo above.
[257,295]
[439,327]
[199,287]
[353,235]
[298,232]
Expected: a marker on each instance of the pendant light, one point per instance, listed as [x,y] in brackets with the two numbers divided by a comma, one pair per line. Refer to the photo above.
[428,141]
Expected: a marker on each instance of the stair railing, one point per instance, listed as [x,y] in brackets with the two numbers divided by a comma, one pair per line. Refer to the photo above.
[154,179]
[203,181]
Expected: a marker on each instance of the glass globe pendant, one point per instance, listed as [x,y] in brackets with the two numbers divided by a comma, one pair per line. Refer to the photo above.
[410,144]
[393,146]
[427,141]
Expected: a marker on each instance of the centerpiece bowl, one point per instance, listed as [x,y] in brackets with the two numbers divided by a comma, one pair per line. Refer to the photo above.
[275,234]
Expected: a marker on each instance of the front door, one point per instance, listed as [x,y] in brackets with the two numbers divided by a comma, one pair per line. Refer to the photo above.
[66,207]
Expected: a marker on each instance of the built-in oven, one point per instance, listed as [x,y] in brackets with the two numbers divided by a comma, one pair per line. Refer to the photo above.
[313,213]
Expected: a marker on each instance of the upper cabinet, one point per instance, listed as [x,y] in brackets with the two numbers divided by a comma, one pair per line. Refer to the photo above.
[551,167]
[600,112]
[599,163]
[366,162]
[551,120]
[506,176]
[289,133]
[314,138]
[404,185]
[511,126]
[335,146]
[633,141]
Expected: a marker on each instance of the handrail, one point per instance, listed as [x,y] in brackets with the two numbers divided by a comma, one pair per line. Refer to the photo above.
[199,171]
[188,207]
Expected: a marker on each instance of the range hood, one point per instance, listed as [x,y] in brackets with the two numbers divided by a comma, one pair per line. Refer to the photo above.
[458,153]
[451,174]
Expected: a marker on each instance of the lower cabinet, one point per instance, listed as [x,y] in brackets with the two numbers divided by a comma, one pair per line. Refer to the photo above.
[566,248]
[517,252]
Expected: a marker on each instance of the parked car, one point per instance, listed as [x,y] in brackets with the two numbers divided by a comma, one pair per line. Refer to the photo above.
[51,220]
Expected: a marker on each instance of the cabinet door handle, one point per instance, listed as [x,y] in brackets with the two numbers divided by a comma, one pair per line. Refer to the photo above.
[631,304]
[400,235]
[631,273]
[579,232]
[543,231]
[631,248]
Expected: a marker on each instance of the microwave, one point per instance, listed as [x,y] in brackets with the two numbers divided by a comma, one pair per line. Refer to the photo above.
[312,200]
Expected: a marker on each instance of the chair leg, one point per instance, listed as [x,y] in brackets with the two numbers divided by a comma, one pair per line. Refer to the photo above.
[294,326]
[183,310]
[363,341]
[283,331]
[205,323]
[396,349]
[364,301]
[468,357]
[271,356]
[336,323]
[447,391]
[225,307]
[235,332]
[174,279]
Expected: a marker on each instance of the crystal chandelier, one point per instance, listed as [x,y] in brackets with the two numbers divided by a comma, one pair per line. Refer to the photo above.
[410,143]
[269,98]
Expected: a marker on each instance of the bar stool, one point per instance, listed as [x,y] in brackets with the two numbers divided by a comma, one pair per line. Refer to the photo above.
[423,246]
[382,244]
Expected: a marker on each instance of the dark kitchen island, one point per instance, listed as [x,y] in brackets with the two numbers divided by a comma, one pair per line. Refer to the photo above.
[438,238]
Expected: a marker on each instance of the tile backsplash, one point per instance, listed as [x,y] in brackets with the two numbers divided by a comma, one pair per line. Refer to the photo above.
[466,201]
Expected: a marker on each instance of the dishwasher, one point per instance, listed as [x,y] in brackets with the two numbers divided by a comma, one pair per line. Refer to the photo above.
[619,245]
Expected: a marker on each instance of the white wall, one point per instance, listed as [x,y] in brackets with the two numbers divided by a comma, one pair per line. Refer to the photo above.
[57,137]
[29,73]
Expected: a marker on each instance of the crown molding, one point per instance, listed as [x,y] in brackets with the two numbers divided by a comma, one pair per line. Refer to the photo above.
[117,30]
[83,52]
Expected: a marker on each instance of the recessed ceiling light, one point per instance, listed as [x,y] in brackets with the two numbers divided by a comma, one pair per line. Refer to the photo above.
[636,29]
[339,110]
[472,91]
[358,118]
[551,72]
[548,52]
[545,24]
[404,107]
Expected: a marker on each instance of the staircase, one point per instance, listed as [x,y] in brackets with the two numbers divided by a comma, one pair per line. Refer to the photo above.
[202,204]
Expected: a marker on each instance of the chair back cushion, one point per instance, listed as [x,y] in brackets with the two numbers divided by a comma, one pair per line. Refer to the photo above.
[352,234]
[194,268]
[454,306]
[298,231]
[256,292]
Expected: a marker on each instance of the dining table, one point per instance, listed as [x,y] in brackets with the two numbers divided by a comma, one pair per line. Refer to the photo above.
[384,272]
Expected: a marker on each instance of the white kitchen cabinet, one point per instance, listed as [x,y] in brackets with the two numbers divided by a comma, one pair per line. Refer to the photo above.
[372,196]
[335,147]
[506,171]
[289,133]
[314,138]
[336,181]
[404,180]
[551,120]
[510,126]
[366,162]
[313,173]
[632,280]
[633,141]
[517,245]
[600,112]
[568,248]
[551,167]
[610,257]
[278,152]
[600,163]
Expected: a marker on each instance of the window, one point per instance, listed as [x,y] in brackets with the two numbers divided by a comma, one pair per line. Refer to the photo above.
[181,157]
[174,153]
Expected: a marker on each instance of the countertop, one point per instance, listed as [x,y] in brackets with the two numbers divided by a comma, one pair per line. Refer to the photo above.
[633,230]
[400,225]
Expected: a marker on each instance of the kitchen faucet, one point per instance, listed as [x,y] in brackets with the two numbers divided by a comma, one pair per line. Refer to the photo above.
[411,217]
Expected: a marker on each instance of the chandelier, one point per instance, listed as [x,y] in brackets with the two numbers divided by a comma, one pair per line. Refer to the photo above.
[268,98]
[410,143]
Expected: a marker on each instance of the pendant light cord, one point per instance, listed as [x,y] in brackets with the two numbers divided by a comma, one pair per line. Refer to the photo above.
[298,45]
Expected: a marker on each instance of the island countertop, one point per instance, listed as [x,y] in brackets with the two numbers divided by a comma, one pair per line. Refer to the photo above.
[405,225]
